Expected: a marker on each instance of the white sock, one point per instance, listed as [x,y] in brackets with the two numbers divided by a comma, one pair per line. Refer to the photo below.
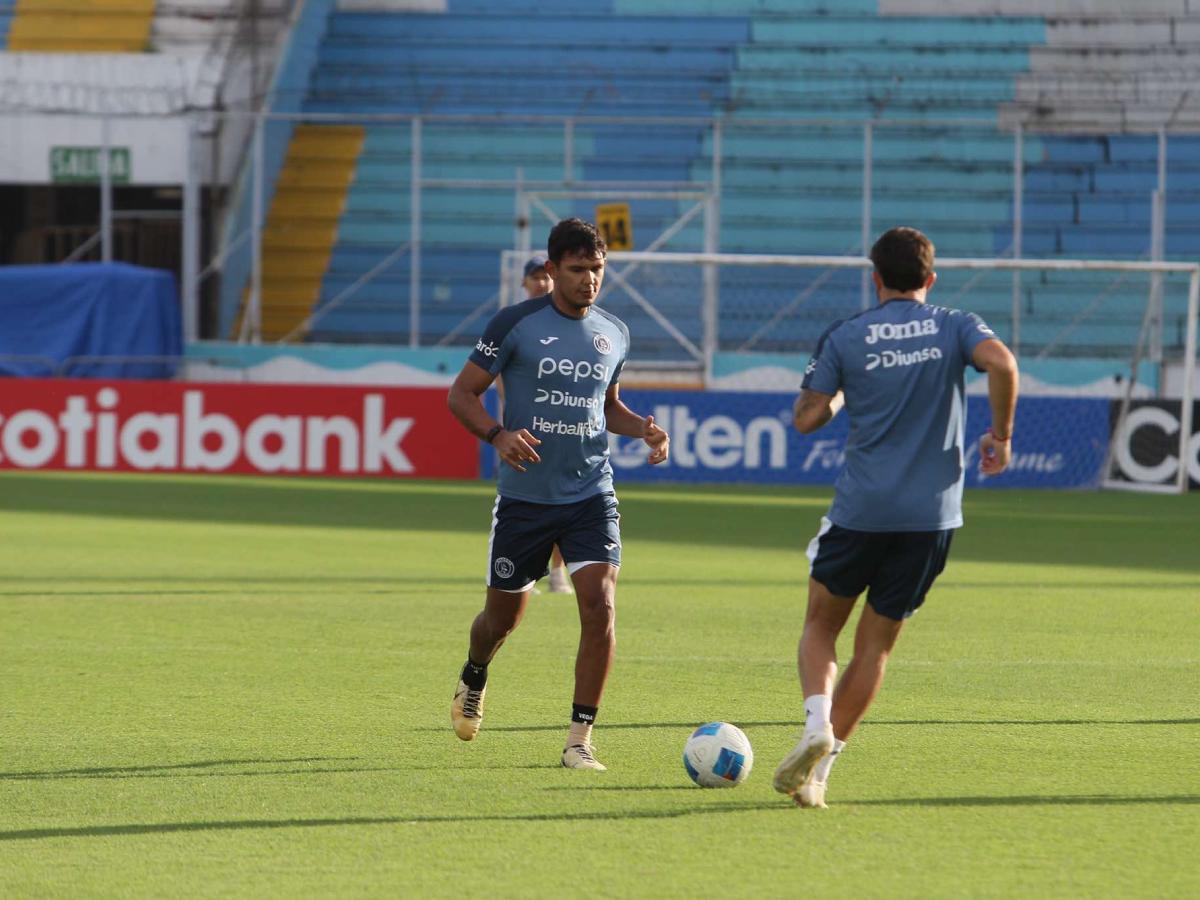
[816,710]
[821,772]
[580,733]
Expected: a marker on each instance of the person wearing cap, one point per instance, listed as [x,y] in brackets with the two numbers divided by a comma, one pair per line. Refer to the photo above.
[538,283]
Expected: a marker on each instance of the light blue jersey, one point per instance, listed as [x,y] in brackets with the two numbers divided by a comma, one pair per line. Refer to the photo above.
[901,368]
[556,371]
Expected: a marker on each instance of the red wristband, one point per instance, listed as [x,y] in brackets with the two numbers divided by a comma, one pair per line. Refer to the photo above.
[997,437]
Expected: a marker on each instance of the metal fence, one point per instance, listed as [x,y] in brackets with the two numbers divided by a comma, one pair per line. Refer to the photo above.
[745,173]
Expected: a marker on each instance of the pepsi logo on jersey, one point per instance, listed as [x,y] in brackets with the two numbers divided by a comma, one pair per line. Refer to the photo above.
[575,369]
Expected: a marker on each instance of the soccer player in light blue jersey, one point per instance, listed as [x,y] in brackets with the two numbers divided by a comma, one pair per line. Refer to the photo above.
[561,358]
[898,370]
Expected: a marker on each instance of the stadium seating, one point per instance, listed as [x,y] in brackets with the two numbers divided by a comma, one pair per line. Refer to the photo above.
[760,65]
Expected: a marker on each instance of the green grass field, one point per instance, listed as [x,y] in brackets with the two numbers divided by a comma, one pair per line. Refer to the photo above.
[241,687]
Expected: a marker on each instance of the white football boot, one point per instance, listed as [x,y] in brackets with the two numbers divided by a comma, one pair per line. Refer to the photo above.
[797,766]
[811,794]
[466,713]
[579,756]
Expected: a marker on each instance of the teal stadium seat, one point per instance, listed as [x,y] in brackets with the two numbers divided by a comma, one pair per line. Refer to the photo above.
[785,189]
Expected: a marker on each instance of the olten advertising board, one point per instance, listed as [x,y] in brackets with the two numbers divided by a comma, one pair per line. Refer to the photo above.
[748,437]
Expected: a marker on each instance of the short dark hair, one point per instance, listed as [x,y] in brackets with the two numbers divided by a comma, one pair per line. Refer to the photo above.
[576,237]
[903,258]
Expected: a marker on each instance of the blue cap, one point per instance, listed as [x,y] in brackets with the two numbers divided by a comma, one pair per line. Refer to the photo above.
[535,263]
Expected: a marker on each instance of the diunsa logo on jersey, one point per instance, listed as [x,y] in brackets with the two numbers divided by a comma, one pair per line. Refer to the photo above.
[889,359]
[602,344]
[504,567]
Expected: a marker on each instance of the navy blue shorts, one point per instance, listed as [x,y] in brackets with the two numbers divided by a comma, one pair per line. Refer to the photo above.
[899,567]
[523,534]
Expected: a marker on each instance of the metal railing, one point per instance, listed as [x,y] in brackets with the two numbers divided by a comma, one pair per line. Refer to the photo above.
[717,158]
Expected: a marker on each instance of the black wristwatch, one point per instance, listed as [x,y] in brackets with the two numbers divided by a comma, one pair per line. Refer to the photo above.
[491,435]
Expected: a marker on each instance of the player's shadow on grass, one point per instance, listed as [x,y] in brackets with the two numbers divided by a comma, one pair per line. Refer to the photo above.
[792,723]
[924,722]
[216,769]
[621,726]
[136,829]
[1033,800]
[166,770]
[33,834]
[237,584]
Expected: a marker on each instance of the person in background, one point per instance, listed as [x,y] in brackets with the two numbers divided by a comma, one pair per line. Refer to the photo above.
[538,283]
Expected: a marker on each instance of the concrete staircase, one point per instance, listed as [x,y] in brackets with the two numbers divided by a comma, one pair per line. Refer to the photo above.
[302,225]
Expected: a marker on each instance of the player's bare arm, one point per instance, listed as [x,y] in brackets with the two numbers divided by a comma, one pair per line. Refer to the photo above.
[995,447]
[514,447]
[814,409]
[624,421]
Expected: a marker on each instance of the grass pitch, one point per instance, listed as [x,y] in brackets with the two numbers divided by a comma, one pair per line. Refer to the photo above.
[241,687]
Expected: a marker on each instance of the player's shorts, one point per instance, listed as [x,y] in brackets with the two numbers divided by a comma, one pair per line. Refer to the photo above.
[523,535]
[899,567]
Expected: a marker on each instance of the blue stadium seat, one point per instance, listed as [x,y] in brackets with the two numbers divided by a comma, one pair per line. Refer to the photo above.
[785,189]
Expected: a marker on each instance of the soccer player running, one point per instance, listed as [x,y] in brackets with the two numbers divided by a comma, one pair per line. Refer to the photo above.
[560,357]
[898,369]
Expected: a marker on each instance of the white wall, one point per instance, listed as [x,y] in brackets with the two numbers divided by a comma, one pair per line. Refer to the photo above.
[157,146]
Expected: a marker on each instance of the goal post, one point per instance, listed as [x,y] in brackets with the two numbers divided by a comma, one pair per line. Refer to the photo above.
[1076,315]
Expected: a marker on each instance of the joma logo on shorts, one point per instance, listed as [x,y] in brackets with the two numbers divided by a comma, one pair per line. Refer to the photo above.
[887,331]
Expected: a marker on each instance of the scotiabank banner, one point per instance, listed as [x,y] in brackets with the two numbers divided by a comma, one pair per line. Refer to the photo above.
[163,426]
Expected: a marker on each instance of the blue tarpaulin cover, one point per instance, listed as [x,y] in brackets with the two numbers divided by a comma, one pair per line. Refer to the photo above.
[56,320]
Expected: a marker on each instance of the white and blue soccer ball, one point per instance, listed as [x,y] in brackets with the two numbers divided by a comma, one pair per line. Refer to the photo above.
[718,755]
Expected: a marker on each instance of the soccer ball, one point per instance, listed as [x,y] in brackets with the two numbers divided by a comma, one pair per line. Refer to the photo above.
[718,755]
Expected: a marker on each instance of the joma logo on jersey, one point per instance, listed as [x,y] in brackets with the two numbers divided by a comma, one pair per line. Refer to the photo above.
[488,349]
[890,359]
[887,331]
[575,369]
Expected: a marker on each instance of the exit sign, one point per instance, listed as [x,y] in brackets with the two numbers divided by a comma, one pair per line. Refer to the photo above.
[81,165]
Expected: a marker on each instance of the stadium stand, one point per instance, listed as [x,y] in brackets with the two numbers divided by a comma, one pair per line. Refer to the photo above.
[760,65]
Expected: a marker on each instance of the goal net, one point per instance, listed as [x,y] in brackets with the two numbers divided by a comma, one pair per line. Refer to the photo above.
[1107,349]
